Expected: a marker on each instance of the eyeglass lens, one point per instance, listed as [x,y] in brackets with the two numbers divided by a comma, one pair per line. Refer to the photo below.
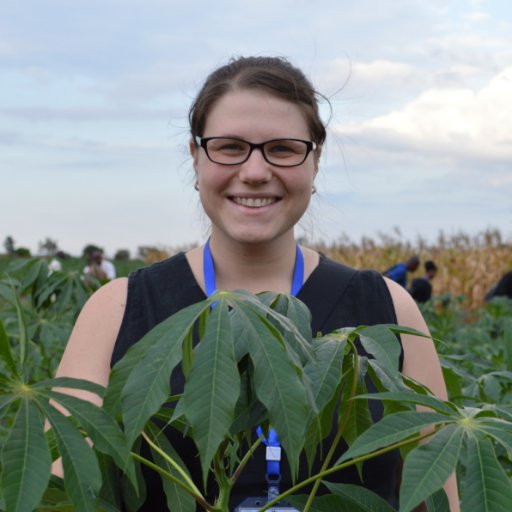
[284,152]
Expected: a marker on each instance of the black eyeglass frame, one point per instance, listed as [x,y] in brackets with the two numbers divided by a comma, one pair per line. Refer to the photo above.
[203,142]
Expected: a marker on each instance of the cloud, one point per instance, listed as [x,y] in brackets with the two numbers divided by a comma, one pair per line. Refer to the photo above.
[86,114]
[462,124]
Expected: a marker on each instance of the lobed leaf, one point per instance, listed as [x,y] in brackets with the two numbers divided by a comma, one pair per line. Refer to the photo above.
[82,476]
[148,383]
[499,430]
[213,388]
[70,383]
[413,398]
[438,502]
[178,500]
[358,498]
[277,383]
[104,432]
[486,487]
[427,467]
[6,351]
[392,429]
[383,345]
[301,347]
[26,460]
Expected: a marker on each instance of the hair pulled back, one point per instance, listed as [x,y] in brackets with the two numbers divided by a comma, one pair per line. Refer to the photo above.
[273,75]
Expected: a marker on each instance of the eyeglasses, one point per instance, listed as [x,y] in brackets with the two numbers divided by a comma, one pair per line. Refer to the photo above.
[278,152]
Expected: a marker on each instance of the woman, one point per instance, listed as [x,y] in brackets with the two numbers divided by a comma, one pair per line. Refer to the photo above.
[256,140]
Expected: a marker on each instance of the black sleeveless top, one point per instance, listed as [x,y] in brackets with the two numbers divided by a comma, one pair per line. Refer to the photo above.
[353,298]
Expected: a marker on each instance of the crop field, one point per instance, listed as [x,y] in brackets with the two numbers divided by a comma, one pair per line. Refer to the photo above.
[468,266]
[473,338]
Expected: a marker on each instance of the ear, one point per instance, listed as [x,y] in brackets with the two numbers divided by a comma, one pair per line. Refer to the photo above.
[193,153]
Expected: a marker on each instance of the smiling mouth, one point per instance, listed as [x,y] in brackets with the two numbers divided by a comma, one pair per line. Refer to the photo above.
[254,202]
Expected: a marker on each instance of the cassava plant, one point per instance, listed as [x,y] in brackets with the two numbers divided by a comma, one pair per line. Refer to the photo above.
[255,362]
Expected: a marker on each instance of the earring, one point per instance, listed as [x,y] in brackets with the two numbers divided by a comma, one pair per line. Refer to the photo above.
[196,186]
[313,190]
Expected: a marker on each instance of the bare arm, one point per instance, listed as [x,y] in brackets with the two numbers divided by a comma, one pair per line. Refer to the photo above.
[421,361]
[89,349]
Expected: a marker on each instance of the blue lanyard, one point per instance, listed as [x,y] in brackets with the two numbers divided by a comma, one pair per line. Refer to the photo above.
[209,271]
[273,450]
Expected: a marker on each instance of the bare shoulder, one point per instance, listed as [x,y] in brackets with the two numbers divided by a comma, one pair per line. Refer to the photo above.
[421,361]
[407,311]
[89,349]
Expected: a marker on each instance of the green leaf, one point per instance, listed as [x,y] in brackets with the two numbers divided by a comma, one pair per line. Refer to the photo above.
[249,411]
[427,467]
[383,379]
[325,377]
[486,487]
[277,383]
[110,491]
[358,496]
[51,287]
[178,500]
[413,398]
[327,503]
[82,476]
[438,502]
[148,384]
[213,388]
[6,352]
[390,430]
[22,329]
[301,346]
[70,383]
[383,345]
[359,420]
[30,277]
[325,372]
[498,429]
[299,315]
[134,496]
[26,460]
[113,400]
[104,432]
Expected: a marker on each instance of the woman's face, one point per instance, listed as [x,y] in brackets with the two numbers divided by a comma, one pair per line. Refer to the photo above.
[254,202]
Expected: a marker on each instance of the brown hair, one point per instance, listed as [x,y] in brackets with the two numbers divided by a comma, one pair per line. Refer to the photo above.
[274,75]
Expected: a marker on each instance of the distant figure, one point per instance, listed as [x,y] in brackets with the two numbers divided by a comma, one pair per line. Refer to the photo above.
[503,288]
[99,267]
[421,289]
[399,271]
[54,265]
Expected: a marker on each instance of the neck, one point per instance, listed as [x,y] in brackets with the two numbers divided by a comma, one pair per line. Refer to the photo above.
[254,267]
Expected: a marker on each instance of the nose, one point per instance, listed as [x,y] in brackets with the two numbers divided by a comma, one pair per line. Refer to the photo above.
[256,169]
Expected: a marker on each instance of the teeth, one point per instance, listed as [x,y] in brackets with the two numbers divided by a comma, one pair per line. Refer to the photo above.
[254,202]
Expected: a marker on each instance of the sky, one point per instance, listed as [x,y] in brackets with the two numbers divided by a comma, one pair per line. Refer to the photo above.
[94,97]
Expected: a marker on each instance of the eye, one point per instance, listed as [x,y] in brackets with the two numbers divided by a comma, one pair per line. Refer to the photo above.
[285,148]
[227,146]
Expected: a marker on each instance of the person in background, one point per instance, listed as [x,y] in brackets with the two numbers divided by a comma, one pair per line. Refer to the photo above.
[256,138]
[421,288]
[99,267]
[503,288]
[398,272]
[54,265]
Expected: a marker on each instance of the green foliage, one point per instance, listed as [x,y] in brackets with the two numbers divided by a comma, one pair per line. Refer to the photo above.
[256,364]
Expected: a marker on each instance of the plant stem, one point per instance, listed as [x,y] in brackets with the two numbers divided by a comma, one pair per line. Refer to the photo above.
[245,460]
[198,497]
[192,487]
[341,427]
[223,481]
[351,462]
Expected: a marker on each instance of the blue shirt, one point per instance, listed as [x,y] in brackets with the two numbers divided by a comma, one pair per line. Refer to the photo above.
[398,273]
